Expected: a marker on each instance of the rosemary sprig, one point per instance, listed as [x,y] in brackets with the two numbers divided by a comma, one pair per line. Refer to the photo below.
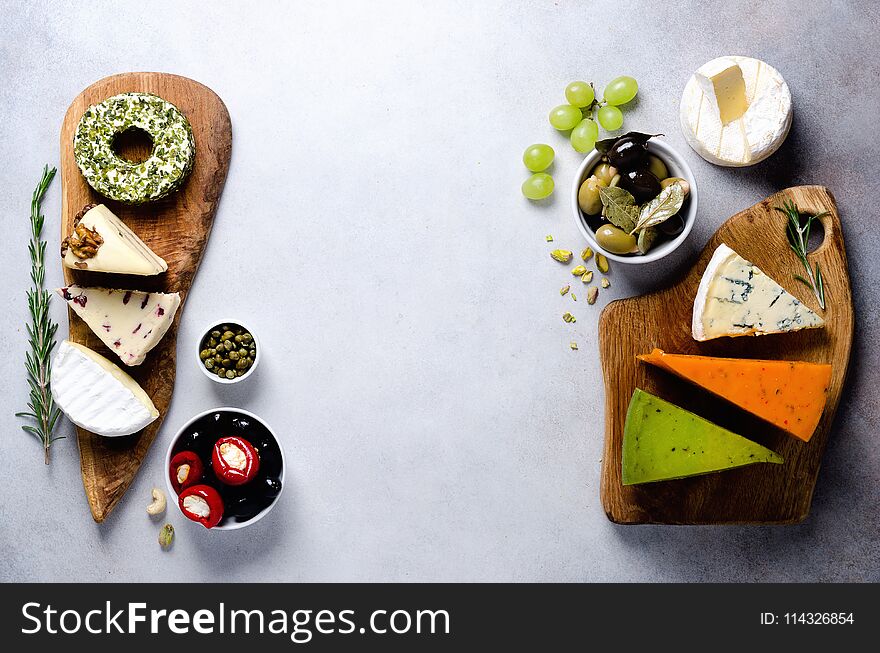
[798,239]
[41,330]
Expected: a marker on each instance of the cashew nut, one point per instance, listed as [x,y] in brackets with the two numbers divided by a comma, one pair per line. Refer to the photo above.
[158,505]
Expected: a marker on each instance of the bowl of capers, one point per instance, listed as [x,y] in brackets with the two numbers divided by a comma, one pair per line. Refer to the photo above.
[228,352]
[634,198]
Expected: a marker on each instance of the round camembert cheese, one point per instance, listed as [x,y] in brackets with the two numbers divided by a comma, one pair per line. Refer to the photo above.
[96,394]
[736,111]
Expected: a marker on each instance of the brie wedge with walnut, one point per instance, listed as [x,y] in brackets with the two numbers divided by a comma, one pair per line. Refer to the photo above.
[101,242]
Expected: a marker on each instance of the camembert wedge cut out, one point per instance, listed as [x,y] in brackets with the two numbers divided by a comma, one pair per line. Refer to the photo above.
[662,442]
[118,249]
[788,394]
[736,298]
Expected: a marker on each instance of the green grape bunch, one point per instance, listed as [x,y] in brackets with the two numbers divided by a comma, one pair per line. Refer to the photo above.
[581,117]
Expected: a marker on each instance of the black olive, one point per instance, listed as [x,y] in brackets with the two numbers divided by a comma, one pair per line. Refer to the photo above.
[271,487]
[628,154]
[244,506]
[241,423]
[642,184]
[673,226]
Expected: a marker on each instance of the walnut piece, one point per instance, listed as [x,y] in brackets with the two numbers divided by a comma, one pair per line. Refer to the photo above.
[83,242]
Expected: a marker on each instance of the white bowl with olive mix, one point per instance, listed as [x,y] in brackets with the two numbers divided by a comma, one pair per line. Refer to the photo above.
[228,351]
[634,198]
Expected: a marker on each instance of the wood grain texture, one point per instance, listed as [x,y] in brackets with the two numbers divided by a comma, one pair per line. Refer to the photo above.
[758,494]
[177,229]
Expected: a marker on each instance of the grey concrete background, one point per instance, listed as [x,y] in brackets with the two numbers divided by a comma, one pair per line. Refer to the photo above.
[437,425]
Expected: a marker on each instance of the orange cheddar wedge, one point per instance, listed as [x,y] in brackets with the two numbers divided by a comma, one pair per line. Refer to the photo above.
[788,394]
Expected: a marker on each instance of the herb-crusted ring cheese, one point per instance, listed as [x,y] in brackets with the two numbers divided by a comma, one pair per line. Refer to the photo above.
[125,181]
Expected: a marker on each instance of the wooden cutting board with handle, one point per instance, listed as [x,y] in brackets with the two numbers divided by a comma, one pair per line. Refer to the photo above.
[757,494]
[176,228]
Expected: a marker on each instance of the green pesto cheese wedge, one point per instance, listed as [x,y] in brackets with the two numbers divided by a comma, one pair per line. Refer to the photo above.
[662,442]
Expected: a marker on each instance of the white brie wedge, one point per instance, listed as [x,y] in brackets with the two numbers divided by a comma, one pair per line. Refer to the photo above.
[96,394]
[736,298]
[736,111]
[121,251]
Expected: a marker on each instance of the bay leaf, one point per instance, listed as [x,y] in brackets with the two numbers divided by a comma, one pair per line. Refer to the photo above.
[620,207]
[646,239]
[661,208]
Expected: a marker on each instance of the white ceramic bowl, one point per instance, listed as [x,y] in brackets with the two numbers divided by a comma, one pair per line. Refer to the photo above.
[172,494]
[214,377]
[677,167]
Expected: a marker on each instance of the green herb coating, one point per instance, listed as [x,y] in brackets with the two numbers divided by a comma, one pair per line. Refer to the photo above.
[160,174]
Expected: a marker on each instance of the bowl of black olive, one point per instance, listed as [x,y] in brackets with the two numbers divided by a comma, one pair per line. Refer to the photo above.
[225,468]
[634,198]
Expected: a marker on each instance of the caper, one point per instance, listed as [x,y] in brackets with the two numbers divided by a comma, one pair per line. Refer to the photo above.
[212,352]
[250,361]
[604,172]
[212,342]
[588,197]
[238,372]
[203,354]
[246,337]
[230,374]
[656,167]
[237,338]
[242,352]
[241,364]
[215,334]
[228,345]
[221,371]
[209,363]
[218,358]
[226,362]
[233,356]
[686,187]
[615,240]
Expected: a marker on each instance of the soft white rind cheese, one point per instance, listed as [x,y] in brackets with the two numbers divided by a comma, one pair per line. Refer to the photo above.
[748,139]
[736,298]
[129,322]
[121,252]
[96,394]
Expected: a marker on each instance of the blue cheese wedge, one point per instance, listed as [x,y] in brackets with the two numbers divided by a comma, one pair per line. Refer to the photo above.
[736,298]
[129,322]
[96,394]
[101,242]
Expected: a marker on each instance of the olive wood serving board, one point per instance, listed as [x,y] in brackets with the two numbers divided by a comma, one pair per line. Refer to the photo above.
[757,494]
[176,228]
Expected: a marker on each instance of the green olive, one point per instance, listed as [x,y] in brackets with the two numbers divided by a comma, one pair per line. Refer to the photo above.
[656,167]
[604,172]
[588,197]
[615,240]
[686,187]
